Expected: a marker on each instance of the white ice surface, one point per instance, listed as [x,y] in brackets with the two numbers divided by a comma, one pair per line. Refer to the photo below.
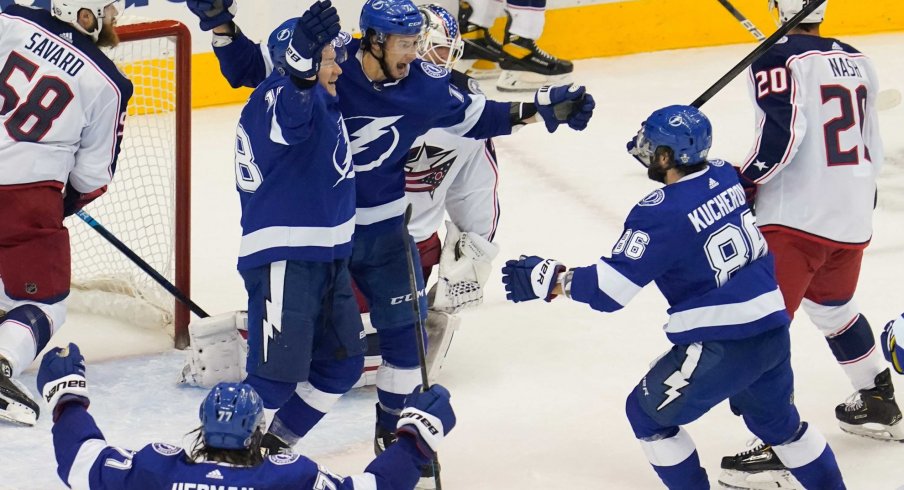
[539,388]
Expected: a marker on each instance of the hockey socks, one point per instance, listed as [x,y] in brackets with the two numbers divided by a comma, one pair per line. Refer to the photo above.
[854,346]
[675,460]
[811,460]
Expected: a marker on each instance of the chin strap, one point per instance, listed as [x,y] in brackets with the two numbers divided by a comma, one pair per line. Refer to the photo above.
[382,61]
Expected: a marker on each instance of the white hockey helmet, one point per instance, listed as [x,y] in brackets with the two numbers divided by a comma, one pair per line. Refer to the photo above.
[789,8]
[440,31]
[67,11]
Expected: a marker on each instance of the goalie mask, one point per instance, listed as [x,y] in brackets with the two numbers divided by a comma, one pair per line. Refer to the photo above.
[783,10]
[67,11]
[442,42]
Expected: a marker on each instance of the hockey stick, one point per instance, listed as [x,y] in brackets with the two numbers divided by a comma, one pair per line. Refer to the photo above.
[419,329]
[756,53]
[144,266]
[751,28]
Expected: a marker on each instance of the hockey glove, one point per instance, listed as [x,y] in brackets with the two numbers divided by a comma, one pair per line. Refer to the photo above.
[61,378]
[314,30]
[748,185]
[464,267]
[213,13]
[564,104]
[890,349]
[74,201]
[427,417]
[639,148]
[530,278]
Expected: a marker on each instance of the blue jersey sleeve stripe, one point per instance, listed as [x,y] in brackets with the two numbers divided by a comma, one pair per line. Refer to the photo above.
[382,212]
[364,482]
[85,459]
[724,315]
[296,236]
[614,284]
[276,134]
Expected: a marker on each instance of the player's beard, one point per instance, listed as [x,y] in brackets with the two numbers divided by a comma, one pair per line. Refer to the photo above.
[656,172]
[108,37]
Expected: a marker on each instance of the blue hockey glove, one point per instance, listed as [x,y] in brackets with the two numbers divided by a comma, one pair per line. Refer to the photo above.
[530,278]
[890,349]
[564,104]
[61,378]
[640,149]
[314,30]
[213,12]
[427,417]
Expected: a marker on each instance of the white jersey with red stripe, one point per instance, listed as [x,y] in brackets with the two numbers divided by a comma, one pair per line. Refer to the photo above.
[64,103]
[817,150]
[454,174]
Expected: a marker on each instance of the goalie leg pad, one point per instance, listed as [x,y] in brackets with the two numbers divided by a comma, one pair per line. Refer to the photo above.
[464,267]
[441,328]
[218,352]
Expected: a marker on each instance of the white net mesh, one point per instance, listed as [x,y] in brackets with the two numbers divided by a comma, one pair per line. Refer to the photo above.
[139,205]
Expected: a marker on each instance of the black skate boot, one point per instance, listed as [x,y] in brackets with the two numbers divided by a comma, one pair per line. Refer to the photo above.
[273,444]
[527,67]
[482,52]
[873,412]
[16,404]
[757,468]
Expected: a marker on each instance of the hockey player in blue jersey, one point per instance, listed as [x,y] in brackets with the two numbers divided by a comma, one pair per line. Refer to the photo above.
[227,452]
[295,179]
[388,99]
[698,241]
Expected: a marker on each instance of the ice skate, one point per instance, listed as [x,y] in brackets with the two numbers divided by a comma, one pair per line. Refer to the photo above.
[873,412]
[16,403]
[526,67]
[757,468]
[482,53]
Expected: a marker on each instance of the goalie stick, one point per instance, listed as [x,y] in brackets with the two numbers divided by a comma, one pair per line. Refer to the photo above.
[144,266]
[756,53]
[419,329]
[751,28]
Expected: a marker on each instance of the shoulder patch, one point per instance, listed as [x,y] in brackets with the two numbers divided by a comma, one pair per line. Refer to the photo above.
[283,459]
[654,198]
[474,86]
[166,449]
[432,70]
[717,163]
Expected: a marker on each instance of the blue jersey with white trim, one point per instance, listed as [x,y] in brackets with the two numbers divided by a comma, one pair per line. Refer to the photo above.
[86,462]
[384,119]
[698,241]
[294,175]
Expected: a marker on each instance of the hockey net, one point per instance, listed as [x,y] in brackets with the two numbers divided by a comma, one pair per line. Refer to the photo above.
[147,204]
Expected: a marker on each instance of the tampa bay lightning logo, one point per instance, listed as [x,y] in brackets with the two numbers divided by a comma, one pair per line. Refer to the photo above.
[373,140]
[166,449]
[676,121]
[654,198]
[474,86]
[342,154]
[283,34]
[716,163]
[283,459]
[432,70]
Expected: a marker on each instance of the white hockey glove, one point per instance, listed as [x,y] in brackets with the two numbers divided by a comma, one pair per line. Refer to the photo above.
[218,351]
[464,267]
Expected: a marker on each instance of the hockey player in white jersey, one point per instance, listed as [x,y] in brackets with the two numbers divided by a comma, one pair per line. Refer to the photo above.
[227,450]
[813,165]
[698,241]
[63,109]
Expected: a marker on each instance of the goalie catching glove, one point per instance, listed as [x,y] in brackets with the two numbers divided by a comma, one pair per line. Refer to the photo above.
[464,267]
[61,378]
[427,417]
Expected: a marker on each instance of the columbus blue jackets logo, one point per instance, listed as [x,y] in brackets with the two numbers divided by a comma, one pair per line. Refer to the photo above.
[427,167]
[373,139]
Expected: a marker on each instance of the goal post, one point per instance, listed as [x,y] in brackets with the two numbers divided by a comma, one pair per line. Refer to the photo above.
[148,203]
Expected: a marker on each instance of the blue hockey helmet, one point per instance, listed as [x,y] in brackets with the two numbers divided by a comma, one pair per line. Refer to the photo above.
[230,415]
[683,129]
[384,17]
